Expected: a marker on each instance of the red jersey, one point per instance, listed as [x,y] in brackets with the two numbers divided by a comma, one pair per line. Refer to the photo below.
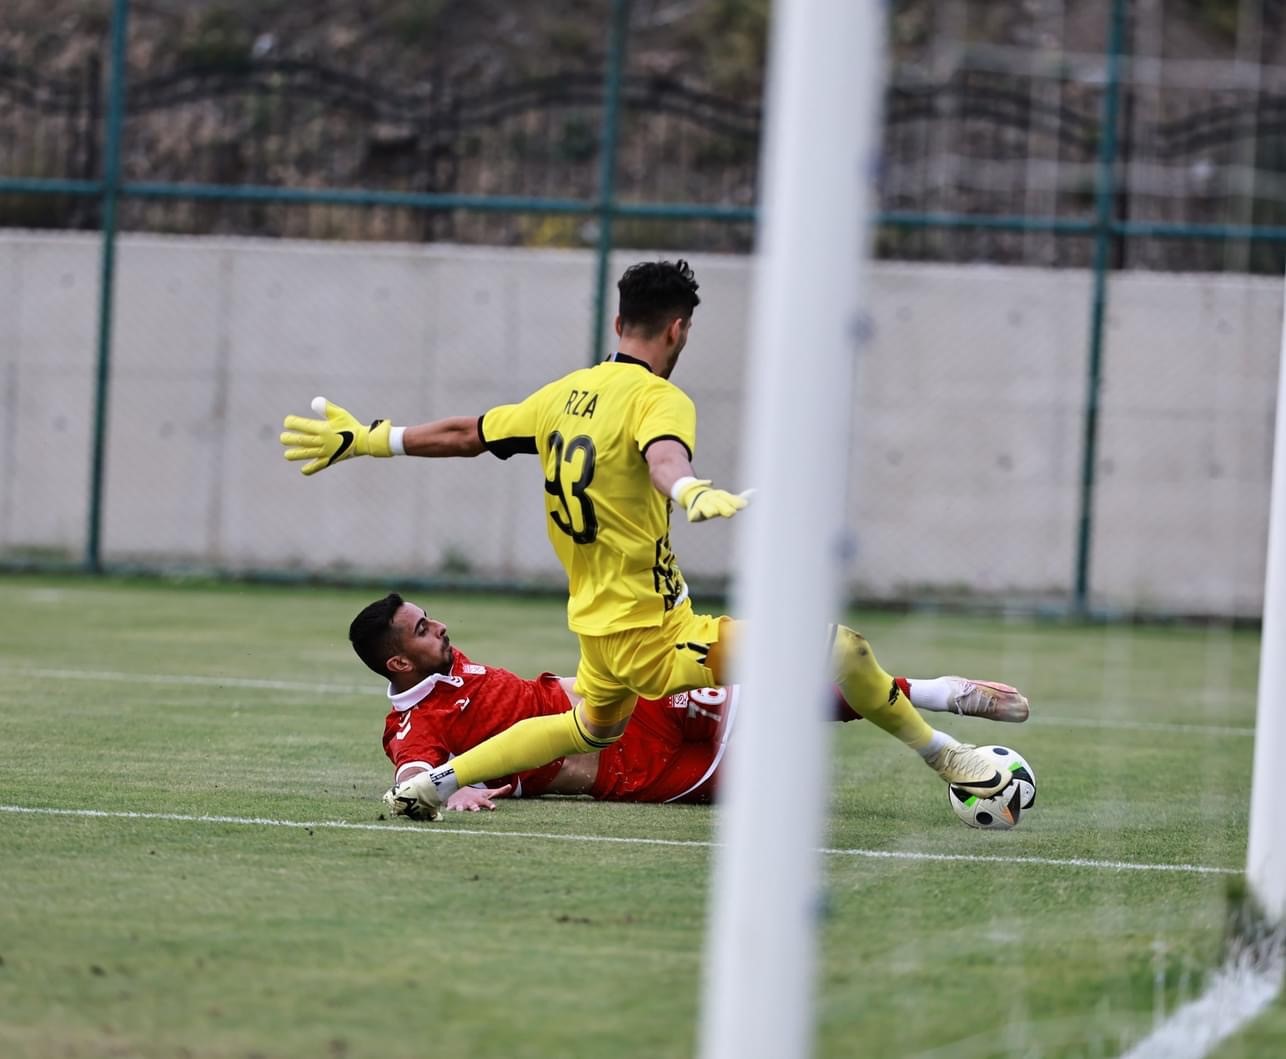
[669,751]
[672,748]
[448,713]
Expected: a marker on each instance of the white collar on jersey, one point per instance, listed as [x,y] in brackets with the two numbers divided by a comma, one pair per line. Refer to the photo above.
[404,700]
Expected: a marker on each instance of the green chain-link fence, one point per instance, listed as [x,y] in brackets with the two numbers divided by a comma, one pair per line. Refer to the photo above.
[284,223]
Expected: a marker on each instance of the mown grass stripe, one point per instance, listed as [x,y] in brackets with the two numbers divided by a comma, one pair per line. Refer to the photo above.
[449,830]
[269,684]
[189,679]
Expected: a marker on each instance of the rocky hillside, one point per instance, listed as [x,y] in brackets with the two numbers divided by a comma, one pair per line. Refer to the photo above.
[720,43]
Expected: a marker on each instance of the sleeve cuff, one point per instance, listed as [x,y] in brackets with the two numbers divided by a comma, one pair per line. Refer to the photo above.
[677,488]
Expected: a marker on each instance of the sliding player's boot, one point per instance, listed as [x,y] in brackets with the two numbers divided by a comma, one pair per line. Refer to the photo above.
[417,798]
[984,698]
[964,766]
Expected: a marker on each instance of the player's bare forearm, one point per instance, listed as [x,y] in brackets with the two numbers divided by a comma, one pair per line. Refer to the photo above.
[672,475]
[453,436]
[667,462]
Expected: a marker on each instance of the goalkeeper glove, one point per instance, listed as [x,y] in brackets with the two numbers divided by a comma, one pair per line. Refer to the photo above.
[337,437]
[703,502]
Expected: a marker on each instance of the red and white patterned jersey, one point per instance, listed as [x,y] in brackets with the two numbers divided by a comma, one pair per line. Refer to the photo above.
[669,752]
[671,749]
[448,713]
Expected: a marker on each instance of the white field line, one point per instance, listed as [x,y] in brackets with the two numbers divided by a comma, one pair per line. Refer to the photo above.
[447,829]
[310,688]
[1241,989]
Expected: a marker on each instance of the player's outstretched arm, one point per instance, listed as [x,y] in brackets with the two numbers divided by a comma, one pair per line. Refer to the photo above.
[338,435]
[453,436]
[672,475]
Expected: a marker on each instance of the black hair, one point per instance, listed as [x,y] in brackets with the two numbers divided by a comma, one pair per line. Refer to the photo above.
[372,634]
[655,292]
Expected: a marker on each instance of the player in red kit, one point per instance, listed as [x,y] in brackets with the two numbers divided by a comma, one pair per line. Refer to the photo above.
[673,756]
[443,703]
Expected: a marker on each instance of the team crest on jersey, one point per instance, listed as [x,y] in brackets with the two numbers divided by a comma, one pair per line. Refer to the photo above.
[473,669]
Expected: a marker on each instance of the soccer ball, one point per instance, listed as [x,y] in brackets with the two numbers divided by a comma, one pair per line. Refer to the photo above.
[1001,811]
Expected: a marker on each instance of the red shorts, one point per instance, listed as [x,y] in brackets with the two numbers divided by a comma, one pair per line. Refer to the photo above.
[671,749]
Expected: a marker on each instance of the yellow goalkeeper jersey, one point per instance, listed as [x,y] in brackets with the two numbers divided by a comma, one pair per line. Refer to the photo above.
[608,524]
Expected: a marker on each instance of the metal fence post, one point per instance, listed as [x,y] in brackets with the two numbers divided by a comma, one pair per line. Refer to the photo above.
[607,167]
[107,274]
[1104,231]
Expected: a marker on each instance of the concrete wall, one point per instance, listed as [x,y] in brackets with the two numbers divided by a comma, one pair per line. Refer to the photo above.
[966,451]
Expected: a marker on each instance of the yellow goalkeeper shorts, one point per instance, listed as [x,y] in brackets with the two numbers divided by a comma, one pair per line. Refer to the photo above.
[652,662]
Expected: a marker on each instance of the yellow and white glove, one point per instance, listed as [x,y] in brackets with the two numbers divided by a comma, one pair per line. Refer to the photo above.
[339,436]
[702,501]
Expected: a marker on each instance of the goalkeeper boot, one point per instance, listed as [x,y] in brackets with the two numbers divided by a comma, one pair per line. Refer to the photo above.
[417,798]
[984,698]
[963,765]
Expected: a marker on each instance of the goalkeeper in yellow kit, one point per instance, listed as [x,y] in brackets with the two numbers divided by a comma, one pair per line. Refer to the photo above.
[616,443]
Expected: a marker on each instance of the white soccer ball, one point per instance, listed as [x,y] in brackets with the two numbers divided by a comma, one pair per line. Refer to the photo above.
[1001,811]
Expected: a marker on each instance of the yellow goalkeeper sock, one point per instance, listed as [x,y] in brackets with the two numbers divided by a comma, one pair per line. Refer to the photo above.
[528,744]
[872,692]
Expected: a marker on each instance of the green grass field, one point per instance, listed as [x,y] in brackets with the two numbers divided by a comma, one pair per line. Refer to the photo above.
[198,897]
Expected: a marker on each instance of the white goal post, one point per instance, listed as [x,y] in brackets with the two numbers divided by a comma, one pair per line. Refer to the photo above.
[1266,849]
[824,78]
